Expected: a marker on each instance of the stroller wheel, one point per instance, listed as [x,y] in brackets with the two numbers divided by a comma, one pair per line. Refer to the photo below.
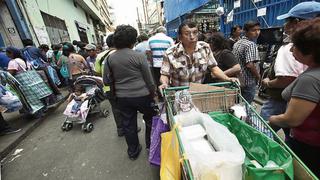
[84,127]
[63,127]
[66,126]
[104,113]
[89,127]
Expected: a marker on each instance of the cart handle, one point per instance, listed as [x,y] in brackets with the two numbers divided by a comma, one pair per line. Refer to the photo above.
[235,84]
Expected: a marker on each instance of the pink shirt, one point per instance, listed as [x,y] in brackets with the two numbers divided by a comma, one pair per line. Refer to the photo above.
[18,65]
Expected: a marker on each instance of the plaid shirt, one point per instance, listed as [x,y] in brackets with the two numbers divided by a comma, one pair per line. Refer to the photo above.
[246,51]
[183,69]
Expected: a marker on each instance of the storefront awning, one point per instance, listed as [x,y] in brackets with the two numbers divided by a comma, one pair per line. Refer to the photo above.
[176,8]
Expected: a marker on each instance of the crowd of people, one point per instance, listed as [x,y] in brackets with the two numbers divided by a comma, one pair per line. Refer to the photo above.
[290,106]
[135,69]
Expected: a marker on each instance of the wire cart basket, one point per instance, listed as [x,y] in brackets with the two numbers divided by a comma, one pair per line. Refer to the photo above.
[220,101]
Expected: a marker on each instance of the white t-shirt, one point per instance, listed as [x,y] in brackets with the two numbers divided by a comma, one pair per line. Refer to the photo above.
[286,64]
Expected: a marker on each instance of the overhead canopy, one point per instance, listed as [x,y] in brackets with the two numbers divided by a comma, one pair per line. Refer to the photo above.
[176,8]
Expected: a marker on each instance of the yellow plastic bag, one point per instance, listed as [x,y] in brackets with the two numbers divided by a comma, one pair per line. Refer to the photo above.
[170,159]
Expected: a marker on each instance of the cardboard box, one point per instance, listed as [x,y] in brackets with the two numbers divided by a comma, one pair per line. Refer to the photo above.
[206,101]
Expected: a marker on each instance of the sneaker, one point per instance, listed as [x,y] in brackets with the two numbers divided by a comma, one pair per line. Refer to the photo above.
[9,131]
[136,154]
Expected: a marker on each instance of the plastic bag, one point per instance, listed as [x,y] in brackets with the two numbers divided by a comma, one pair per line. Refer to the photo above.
[224,161]
[183,102]
[9,101]
[170,159]
[260,148]
[158,127]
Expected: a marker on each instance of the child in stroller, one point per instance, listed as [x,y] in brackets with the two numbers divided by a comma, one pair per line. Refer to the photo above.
[85,100]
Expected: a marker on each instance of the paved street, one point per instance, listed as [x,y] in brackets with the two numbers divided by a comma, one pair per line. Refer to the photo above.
[49,153]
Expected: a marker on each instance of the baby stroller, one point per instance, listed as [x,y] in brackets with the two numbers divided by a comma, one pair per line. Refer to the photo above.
[91,105]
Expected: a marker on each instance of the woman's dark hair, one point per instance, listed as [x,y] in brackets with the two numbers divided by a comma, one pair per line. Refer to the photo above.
[67,48]
[81,45]
[218,42]
[75,42]
[124,36]
[250,24]
[306,38]
[142,37]
[44,47]
[188,23]
[234,29]
[109,41]
[56,47]
[15,52]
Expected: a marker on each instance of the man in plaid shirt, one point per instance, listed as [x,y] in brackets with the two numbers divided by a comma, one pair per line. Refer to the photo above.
[189,60]
[246,51]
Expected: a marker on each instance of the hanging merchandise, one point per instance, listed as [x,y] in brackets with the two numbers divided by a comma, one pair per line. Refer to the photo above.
[236,4]
[230,16]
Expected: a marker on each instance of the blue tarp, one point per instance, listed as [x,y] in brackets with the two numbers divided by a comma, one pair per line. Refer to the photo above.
[176,8]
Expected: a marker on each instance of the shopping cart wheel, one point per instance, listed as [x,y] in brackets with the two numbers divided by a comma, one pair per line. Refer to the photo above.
[89,127]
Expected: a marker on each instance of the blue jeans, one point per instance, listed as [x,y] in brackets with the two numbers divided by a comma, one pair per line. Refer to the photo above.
[248,93]
[274,107]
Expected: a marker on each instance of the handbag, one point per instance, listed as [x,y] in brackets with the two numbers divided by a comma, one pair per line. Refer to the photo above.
[158,127]
[64,70]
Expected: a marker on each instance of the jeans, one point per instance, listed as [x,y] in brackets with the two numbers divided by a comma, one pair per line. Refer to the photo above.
[128,110]
[274,107]
[248,93]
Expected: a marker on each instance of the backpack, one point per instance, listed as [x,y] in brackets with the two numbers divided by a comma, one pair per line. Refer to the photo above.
[36,63]
[64,70]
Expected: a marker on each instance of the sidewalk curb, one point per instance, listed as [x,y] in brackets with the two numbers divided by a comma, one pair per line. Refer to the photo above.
[28,131]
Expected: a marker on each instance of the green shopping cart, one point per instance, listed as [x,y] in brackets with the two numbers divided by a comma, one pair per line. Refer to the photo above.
[217,104]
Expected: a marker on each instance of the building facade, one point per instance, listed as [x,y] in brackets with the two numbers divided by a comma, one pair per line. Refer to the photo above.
[13,26]
[52,22]
[152,16]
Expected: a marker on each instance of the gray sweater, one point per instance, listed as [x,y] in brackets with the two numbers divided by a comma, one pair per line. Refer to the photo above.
[131,73]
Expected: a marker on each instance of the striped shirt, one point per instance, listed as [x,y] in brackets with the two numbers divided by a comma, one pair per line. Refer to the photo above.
[246,51]
[158,44]
[183,69]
